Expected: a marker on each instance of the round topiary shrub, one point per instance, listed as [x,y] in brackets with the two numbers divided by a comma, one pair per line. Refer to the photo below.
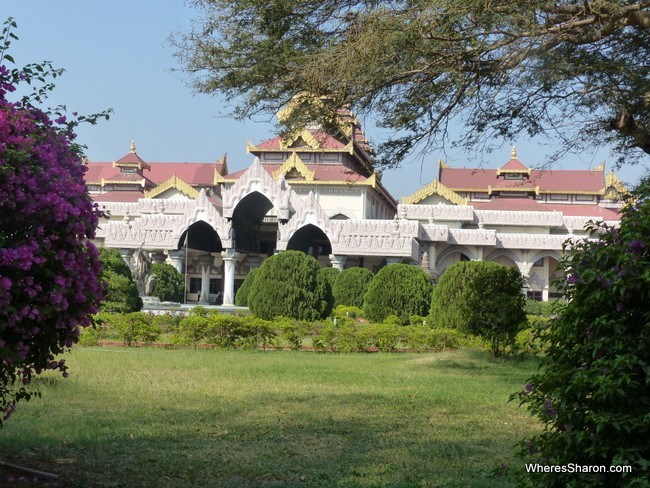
[241,297]
[398,289]
[288,284]
[351,286]
[481,298]
[170,284]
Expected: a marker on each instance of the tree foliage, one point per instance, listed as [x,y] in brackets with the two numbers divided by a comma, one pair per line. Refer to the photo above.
[481,298]
[49,269]
[289,284]
[351,286]
[398,289]
[170,284]
[502,68]
[592,393]
[121,291]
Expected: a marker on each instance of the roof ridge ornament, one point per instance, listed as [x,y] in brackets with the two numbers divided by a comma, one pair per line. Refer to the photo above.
[513,153]
[132,146]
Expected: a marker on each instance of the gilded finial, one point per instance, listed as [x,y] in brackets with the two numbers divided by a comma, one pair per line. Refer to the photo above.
[132,146]
[513,154]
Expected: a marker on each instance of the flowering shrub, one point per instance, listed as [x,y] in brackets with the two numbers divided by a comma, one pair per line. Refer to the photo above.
[49,270]
[592,394]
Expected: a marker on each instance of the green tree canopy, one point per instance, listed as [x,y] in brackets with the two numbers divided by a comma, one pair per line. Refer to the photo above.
[121,291]
[170,284]
[501,68]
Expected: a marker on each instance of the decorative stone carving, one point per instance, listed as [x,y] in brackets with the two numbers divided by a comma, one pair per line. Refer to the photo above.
[472,237]
[432,213]
[257,179]
[504,217]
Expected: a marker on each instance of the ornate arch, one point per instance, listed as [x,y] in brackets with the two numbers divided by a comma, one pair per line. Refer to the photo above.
[257,179]
[452,250]
[517,260]
[308,211]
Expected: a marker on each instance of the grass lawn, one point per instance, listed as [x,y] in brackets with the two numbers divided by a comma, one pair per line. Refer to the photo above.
[151,417]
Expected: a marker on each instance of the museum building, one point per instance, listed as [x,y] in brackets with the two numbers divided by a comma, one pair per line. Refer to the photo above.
[317,191]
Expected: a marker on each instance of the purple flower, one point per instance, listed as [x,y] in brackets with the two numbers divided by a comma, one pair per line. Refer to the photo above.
[548,409]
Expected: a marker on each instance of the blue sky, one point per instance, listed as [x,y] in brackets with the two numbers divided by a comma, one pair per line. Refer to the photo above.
[117,55]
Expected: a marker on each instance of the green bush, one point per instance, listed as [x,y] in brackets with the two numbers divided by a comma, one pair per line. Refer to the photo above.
[170,284]
[342,312]
[224,331]
[121,291]
[351,286]
[592,392]
[288,284]
[384,337]
[135,326]
[325,279]
[293,331]
[191,330]
[241,297]
[398,289]
[482,298]
[543,309]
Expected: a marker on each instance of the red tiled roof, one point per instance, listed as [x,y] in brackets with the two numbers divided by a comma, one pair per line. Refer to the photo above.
[514,165]
[322,172]
[201,174]
[132,158]
[325,140]
[463,179]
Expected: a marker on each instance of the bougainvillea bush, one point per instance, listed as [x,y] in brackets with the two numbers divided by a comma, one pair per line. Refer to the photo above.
[592,394]
[49,271]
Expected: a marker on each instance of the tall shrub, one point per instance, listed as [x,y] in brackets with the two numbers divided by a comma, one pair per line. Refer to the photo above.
[49,269]
[326,278]
[398,289]
[482,298]
[287,284]
[351,286]
[241,298]
[121,291]
[592,393]
[170,284]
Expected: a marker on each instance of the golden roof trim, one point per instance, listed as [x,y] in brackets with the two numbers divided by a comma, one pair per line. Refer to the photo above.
[435,187]
[294,162]
[308,137]
[173,182]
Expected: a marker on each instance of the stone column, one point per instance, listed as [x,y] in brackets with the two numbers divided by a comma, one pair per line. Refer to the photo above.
[433,258]
[126,255]
[338,262]
[178,260]
[230,257]
[205,263]
[158,257]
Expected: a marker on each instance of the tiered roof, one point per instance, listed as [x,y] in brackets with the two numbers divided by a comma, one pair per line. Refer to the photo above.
[150,176]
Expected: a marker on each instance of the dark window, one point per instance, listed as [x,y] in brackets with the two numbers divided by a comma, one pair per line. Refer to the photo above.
[195,285]
[534,295]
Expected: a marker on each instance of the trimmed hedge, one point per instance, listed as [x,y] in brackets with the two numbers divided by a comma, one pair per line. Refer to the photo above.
[289,284]
[351,286]
[482,298]
[398,289]
[241,297]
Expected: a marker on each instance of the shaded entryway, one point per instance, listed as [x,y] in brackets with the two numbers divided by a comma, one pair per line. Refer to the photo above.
[252,232]
[202,237]
[310,240]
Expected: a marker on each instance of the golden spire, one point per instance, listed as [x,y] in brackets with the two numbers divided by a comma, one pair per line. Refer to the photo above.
[132,146]
[513,154]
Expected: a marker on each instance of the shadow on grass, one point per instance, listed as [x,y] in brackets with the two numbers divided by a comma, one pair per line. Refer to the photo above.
[319,440]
